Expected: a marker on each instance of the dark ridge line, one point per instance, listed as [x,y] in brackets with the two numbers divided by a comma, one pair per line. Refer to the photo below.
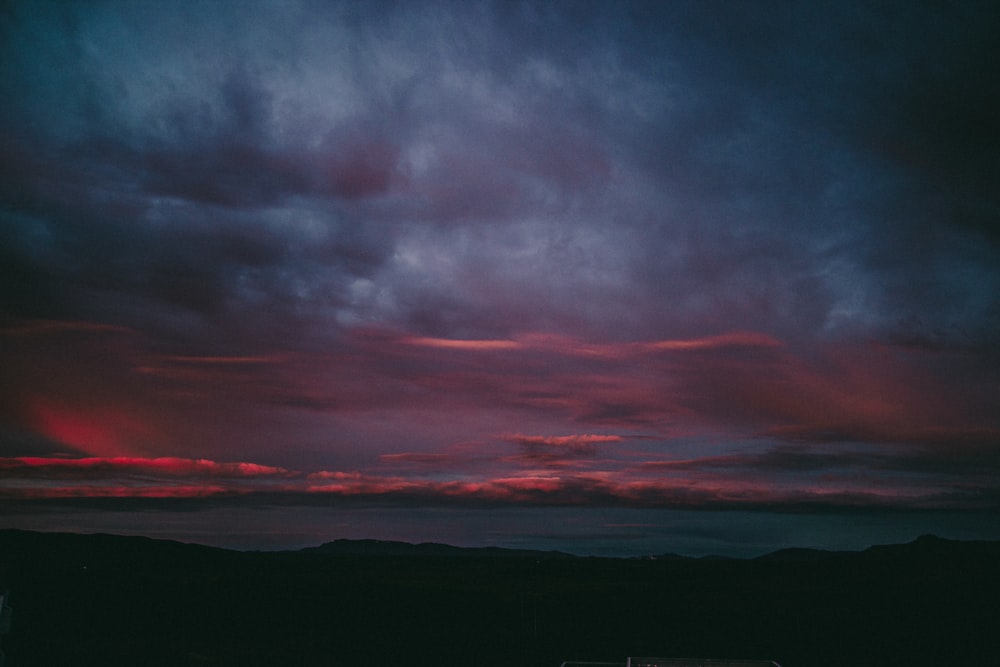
[924,544]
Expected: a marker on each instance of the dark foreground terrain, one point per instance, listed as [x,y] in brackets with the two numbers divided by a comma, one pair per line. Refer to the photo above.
[105,600]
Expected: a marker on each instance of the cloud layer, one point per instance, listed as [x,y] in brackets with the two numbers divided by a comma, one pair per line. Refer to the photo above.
[708,254]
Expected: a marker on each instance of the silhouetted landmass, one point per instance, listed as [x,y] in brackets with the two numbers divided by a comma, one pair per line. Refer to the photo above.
[100,599]
[800,554]
[392,548]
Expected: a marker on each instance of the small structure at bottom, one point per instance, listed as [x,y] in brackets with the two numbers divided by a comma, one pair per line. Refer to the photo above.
[674,662]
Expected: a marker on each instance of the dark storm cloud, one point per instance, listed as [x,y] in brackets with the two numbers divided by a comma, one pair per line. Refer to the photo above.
[149,197]
[690,155]
[939,119]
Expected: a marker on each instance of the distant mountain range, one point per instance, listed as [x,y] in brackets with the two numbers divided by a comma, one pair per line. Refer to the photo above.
[115,600]
[345,547]
[926,545]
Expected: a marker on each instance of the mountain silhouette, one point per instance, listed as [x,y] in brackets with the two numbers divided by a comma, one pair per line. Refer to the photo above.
[112,600]
[346,547]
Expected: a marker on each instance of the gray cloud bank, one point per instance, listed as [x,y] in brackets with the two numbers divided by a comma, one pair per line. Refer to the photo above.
[237,172]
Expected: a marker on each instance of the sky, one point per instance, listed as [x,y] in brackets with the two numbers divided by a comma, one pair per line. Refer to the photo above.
[613,278]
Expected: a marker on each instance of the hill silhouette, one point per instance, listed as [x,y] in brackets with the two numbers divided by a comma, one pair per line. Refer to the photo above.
[344,547]
[110,600]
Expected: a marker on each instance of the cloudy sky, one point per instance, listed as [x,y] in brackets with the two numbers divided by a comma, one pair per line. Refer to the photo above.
[605,277]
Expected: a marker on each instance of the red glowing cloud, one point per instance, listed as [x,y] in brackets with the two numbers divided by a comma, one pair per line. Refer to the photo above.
[768,479]
[102,431]
[171,466]
[734,419]
[134,477]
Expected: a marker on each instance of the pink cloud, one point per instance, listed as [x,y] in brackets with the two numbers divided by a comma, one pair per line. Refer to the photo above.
[103,430]
[117,492]
[462,345]
[166,465]
[707,483]
[356,484]
[736,396]
[562,441]
[731,340]
[569,346]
